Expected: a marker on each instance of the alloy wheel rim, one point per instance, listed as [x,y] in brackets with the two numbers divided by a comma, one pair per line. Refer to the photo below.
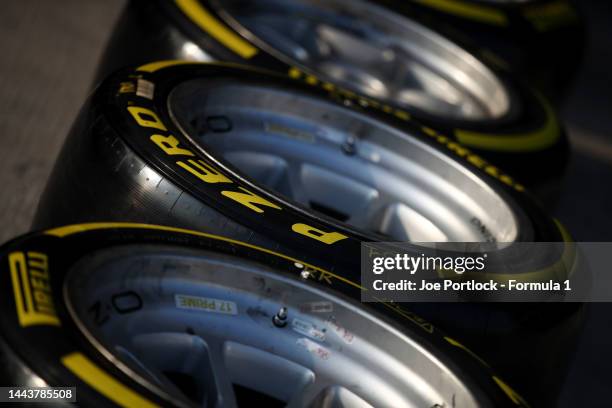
[205,331]
[341,164]
[376,52]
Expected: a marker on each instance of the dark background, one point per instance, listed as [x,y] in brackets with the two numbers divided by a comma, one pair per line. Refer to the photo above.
[49,50]
[586,206]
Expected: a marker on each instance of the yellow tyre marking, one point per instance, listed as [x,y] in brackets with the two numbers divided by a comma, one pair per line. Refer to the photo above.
[550,15]
[471,11]
[568,257]
[34,305]
[153,122]
[455,343]
[157,65]
[62,232]
[513,395]
[539,139]
[315,233]
[209,23]
[102,382]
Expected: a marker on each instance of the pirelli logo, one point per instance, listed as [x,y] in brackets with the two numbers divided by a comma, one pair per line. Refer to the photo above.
[32,289]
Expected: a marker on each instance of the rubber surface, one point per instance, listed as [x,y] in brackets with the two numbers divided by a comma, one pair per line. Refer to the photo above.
[40,341]
[151,30]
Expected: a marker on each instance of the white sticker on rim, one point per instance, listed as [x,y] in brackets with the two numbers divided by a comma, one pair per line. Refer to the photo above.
[307,329]
[317,307]
[205,304]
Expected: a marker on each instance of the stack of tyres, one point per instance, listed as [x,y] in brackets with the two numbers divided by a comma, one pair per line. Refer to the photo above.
[310,170]
[139,315]
[204,221]
[376,49]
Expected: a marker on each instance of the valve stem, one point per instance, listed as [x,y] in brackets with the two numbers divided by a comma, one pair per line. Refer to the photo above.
[280,318]
[349,146]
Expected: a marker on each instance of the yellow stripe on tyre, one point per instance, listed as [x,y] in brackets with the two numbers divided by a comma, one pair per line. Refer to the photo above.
[104,383]
[209,23]
[468,10]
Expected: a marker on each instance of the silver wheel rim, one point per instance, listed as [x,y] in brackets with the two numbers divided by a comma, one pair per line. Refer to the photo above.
[376,52]
[163,330]
[341,164]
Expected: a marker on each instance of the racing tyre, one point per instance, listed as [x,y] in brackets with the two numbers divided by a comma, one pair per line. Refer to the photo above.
[146,316]
[307,169]
[373,49]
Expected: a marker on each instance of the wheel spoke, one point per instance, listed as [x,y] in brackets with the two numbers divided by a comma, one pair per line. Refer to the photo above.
[222,391]
[350,47]
[188,355]
[400,221]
